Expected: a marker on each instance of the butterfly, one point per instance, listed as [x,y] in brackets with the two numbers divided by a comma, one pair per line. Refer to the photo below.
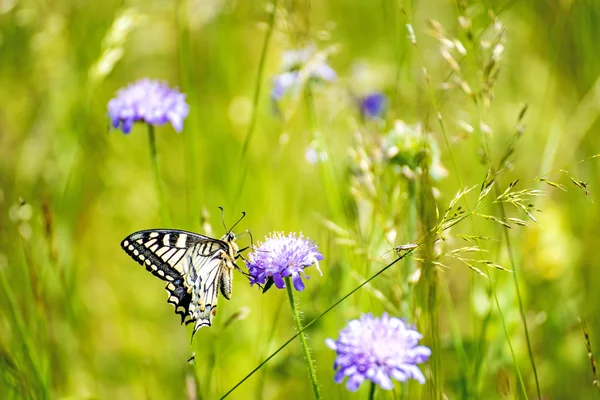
[195,267]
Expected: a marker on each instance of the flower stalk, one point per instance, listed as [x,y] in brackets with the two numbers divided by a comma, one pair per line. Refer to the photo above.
[309,362]
[372,391]
[156,172]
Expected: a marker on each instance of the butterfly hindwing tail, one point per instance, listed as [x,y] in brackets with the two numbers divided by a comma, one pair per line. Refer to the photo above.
[179,297]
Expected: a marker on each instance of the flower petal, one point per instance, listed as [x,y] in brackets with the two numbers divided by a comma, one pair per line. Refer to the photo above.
[354,382]
[298,283]
[383,380]
[330,343]
[127,124]
[279,282]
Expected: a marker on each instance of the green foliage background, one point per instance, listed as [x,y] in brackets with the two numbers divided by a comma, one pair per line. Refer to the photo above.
[79,319]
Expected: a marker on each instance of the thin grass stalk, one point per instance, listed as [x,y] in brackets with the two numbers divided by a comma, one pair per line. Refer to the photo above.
[461,355]
[326,168]
[157,179]
[24,334]
[188,83]
[256,98]
[477,366]
[588,346]
[404,392]
[409,265]
[481,353]
[512,351]
[266,360]
[389,18]
[428,296]
[307,356]
[259,79]
[263,377]
[514,268]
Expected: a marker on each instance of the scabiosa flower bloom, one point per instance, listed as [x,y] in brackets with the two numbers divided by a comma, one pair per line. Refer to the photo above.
[148,101]
[373,105]
[298,66]
[378,349]
[281,256]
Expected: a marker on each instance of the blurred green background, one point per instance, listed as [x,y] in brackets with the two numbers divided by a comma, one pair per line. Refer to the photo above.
[79,319]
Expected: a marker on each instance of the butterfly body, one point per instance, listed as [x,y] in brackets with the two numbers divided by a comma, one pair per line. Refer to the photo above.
[195,267]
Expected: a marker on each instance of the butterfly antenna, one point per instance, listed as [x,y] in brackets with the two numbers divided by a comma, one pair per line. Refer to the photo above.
[238,221]
[251,238]
[223,218]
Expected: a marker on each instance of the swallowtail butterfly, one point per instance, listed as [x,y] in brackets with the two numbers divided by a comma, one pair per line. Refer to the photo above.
[195,267]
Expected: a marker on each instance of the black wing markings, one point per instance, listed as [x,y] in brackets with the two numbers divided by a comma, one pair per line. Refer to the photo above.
[179,297]
[161,251]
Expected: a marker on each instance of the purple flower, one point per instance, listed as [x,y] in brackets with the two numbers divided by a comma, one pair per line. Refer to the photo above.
[152,102]
[282,83]
[321,70]
[378,349]
[281,256]
[373,105]
[297,67]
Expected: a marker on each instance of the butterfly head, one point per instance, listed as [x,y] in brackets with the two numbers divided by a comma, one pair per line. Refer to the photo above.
[229,238]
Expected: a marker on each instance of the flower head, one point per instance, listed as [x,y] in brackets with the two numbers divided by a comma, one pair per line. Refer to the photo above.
[373,105]
[298,66]
[378,349]
[148,101]
[281,256]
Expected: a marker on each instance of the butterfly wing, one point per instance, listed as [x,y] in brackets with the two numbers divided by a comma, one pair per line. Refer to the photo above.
[210,271]
[192,264]
[162,251]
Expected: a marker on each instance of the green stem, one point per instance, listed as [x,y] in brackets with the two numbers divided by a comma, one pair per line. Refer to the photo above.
[259,79]
[372,391]
[156,172]
[409,266]
[326,167]
[256,99]
[28,347]
[513,264]
[309,362]
[429,297]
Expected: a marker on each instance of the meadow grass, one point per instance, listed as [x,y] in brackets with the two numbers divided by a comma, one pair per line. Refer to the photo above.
[467,207]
